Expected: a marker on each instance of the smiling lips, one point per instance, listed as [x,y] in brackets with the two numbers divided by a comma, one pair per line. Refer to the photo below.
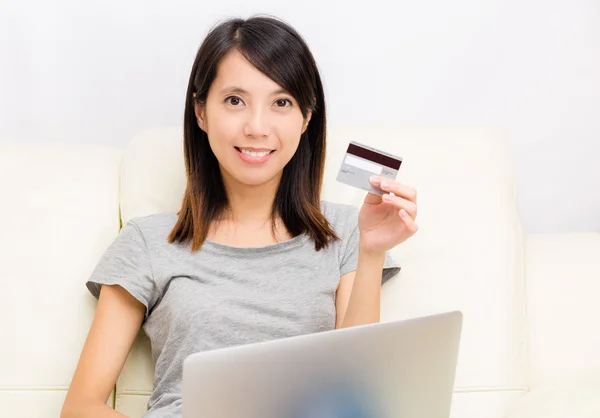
[254,155]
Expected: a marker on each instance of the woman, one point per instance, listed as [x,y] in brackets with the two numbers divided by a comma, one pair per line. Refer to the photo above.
[253,254]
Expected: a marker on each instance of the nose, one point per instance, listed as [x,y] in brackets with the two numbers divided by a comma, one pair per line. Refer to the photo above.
[257,124]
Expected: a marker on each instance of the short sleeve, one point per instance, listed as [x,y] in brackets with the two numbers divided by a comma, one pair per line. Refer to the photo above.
[350,258]
[126,263]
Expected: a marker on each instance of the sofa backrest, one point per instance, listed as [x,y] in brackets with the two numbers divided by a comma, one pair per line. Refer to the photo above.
[59,211]
[466,256]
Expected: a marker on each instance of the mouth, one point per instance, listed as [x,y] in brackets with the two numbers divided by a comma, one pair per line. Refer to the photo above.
[255,152]
[254,155]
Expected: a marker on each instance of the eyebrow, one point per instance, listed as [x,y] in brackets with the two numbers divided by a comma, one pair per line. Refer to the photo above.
[240,90]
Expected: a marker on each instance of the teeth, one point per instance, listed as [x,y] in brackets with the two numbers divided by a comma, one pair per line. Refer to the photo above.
[255,154]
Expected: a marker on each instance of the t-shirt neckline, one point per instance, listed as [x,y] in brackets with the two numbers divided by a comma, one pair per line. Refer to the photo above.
[270,248]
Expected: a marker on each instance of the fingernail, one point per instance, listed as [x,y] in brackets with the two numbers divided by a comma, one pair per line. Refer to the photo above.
[374,179]
[387,197]
[384,183]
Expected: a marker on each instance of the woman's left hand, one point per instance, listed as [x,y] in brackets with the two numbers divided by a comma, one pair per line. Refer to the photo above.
[388,220]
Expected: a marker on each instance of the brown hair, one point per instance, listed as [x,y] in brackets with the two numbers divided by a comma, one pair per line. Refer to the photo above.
[278,51]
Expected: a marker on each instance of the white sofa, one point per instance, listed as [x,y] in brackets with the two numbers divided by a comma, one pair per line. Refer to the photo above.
[531,341]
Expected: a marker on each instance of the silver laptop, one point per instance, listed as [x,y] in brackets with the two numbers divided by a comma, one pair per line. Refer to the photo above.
[401,369]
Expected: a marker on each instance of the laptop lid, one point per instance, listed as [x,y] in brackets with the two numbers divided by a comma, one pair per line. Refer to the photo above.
[384,370]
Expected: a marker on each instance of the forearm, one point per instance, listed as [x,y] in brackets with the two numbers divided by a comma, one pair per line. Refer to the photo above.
[365,299]
[90,410]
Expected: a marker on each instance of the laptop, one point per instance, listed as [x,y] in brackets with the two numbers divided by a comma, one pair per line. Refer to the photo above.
[400,369]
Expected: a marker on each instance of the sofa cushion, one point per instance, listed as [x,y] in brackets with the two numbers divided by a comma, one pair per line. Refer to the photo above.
[562,401]
[563,283]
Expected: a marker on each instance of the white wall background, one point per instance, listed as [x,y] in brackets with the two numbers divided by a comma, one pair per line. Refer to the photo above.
[101,71]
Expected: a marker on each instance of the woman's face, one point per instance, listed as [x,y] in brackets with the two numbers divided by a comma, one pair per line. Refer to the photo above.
[253,125]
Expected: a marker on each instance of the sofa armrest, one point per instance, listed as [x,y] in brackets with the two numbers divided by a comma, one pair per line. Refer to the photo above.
[562,273]
[573,402]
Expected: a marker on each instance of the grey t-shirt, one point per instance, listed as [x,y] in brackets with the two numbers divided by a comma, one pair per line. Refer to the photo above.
[225,296]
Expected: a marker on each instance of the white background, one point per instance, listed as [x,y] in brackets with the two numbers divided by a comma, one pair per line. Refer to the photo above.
[102,71]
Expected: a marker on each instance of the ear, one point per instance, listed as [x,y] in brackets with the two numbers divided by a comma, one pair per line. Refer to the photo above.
[199,110]
[306,121]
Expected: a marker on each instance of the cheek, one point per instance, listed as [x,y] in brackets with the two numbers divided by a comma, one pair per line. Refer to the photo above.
[289,134]
[222,130]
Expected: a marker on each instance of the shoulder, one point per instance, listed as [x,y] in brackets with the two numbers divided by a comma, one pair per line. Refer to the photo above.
[343,218]
[153,228]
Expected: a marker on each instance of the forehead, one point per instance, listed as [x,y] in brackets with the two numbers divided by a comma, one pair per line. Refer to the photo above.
[236,71]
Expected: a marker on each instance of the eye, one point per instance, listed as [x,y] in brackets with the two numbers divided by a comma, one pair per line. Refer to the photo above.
[234,101]
[283,103]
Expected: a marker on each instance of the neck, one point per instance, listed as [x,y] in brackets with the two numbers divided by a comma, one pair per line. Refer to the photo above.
[249,205]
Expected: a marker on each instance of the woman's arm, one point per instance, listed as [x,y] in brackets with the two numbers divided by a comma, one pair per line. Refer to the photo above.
[359,292]
[115,326]
[384,222]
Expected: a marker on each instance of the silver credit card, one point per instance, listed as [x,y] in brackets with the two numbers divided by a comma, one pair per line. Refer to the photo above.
[361,162]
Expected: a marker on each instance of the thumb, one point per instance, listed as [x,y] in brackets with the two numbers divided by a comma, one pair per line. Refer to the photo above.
[372,199]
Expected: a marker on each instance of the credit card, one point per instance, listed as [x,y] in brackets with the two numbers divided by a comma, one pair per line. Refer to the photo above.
[361,162]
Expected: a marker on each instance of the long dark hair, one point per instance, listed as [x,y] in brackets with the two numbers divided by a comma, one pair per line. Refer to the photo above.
[278,51]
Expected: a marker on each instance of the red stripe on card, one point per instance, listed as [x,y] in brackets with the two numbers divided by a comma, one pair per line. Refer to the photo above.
[374,156]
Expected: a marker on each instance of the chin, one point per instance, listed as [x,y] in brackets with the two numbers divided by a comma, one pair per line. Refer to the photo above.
[255,179]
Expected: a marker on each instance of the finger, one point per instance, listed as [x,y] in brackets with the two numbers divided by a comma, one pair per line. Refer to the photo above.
[401,203]
[399,189]
[409,222]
